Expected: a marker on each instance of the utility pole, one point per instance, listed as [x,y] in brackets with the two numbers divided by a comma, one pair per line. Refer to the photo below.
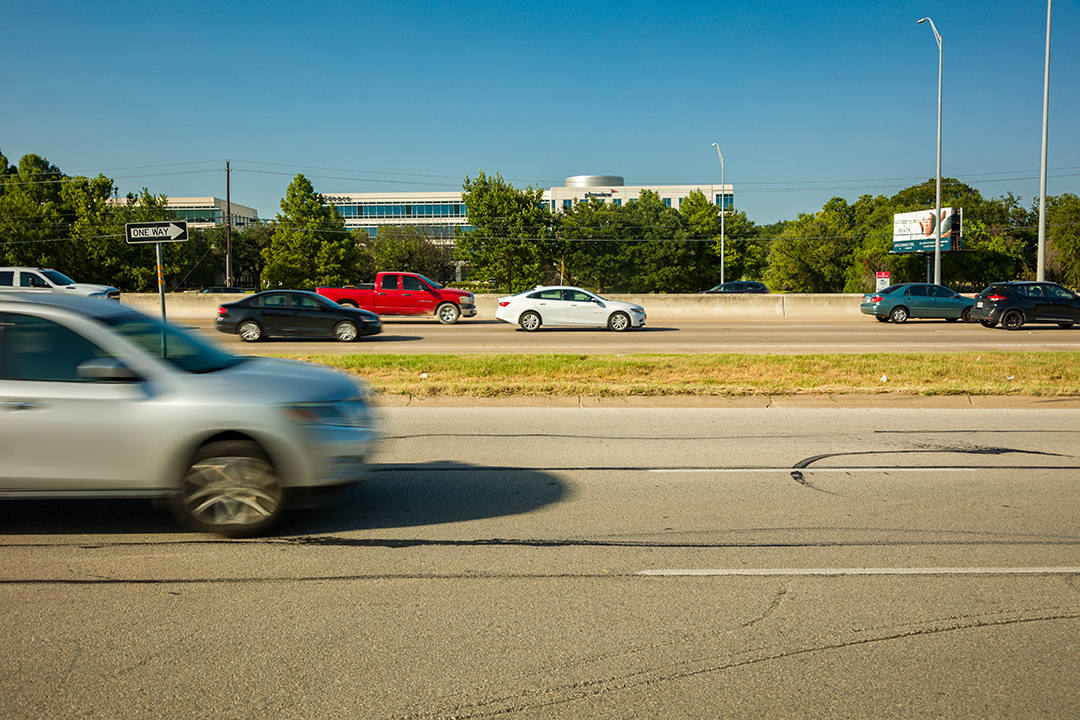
[228,229]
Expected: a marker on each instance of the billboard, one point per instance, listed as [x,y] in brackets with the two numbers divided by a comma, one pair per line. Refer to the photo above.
[914,231]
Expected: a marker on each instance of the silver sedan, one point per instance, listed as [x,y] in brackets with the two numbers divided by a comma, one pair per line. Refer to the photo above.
[98,400]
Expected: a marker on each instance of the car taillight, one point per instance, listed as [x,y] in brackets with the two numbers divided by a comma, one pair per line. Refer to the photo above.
[504,303]
[221,310]
[876,298]
[995,298]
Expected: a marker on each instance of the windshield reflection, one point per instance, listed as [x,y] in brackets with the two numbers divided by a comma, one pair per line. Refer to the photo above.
[177,347]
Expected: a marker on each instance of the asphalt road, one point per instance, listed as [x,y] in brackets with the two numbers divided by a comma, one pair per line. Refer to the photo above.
[586,563]
[675,335]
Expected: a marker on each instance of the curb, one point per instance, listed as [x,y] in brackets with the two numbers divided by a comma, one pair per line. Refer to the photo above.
[934,402]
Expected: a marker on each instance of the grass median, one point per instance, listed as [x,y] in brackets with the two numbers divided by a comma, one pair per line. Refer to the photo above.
[1036,374]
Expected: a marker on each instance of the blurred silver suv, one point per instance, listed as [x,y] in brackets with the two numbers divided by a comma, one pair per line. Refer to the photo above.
[98,400]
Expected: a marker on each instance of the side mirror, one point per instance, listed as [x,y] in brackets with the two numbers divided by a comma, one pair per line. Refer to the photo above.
[108,369]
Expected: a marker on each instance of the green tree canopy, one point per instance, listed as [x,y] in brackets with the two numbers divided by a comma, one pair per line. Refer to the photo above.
[310,246]
[509,242]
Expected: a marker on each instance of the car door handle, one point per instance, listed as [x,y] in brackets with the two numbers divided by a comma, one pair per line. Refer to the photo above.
[19,405]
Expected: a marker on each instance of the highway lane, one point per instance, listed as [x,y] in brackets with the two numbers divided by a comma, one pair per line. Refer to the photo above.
[678,335]
[587,563]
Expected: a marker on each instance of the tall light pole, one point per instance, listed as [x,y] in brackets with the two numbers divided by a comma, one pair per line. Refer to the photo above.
[937,216]
[1041,263]
[723,201]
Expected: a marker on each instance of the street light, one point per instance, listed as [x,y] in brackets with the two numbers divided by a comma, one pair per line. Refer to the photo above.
[937,217]
[1040,269]
[723,201]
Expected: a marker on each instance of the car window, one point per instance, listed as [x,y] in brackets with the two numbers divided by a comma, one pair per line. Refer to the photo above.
[889,290]
[1032,291]
[7,278]
[304,302]
[408,282]
[1057,292]
[916,291]
[181,350]
[274,301]
[941,292]
[547,295]
[33,348]
[389,282]
[31,280]
[578,296]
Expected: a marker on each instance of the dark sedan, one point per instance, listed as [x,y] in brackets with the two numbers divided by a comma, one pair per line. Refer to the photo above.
[1014,304]
[739,286]
[916,300]
[294,313]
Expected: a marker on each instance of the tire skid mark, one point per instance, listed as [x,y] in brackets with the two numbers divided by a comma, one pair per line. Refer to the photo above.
[529,699]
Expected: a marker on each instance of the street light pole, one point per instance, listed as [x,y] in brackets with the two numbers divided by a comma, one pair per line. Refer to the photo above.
[1041,259]
[937,216]
[723,202]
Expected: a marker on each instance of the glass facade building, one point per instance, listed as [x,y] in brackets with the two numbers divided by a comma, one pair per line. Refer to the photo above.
[441,213]
[206,212]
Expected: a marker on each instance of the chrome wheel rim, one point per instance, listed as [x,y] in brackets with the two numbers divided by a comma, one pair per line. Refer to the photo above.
[237,490]
[530,322]
[619,322]
[345,332]
[249,332]
[448,313]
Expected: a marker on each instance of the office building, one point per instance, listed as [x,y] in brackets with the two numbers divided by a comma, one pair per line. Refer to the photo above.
[443,212]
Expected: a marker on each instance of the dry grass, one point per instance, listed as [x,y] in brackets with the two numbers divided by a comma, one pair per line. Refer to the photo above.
[1041,374]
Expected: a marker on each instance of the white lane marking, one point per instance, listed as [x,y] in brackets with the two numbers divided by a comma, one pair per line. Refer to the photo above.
[866,571]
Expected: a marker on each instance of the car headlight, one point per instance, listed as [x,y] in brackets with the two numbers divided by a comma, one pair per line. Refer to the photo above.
[354,412]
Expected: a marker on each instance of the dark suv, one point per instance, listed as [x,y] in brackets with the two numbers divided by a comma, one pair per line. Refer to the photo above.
[741,286]
[1015,303]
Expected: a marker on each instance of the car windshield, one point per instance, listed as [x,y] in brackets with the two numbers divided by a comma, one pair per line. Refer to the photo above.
[888,290]
[432,283]
[180,349]
[57,278]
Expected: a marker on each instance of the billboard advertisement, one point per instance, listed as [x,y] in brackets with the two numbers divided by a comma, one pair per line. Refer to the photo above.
[914,231]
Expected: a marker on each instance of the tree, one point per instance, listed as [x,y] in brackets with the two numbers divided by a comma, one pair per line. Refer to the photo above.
[589,250]
[509,240]
[310,246]
[34,220]
[1063,239]
[813,253]
[99,251]
[667,262]
[410,248]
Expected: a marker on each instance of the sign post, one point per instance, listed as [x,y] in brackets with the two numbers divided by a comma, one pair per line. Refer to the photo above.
[157,233]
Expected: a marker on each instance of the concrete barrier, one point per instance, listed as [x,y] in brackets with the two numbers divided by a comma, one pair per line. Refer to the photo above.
[205,305]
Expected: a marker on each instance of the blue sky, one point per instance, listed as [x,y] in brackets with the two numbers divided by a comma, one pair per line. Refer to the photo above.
[807,100]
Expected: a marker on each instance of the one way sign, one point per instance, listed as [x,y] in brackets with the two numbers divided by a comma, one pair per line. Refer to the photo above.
[152,232]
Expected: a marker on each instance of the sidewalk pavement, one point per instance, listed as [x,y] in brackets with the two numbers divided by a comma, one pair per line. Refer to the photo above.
[929,402]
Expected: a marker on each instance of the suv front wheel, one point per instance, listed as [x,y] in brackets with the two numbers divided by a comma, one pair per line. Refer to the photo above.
[230,488]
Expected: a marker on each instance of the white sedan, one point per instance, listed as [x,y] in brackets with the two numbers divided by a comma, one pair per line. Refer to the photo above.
[572,306]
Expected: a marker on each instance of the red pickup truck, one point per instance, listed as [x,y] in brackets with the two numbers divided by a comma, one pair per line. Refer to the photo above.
[400,293]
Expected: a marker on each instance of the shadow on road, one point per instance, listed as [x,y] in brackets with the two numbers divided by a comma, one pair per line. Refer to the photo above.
[398,496]
[393,496]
